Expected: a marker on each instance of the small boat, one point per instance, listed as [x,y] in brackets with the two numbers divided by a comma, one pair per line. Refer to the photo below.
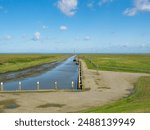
[74,60]
[77,62]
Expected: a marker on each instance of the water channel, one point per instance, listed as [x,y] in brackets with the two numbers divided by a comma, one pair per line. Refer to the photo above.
[62,76]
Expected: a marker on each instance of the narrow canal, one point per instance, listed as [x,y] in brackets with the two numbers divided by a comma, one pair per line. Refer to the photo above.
[62,76]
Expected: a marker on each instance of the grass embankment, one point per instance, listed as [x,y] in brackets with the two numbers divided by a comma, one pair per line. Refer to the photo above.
[15,62]
[138,101]
[118,62]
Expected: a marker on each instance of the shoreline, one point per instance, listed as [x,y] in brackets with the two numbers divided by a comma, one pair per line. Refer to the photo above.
[27,72]
[104,87]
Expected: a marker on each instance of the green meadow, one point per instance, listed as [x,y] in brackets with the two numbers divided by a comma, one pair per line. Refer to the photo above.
[118,62]
[15,62]
[139,100]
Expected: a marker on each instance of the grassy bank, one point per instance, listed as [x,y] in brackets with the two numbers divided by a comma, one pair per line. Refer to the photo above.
[15,62]
[118,62]
[138,101]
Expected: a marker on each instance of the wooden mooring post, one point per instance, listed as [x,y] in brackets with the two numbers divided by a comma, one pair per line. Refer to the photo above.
[72,83]
[38,85]
[19,88]
[2,86]
[56,85]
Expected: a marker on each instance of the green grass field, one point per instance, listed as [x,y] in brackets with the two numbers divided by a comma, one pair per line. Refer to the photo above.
[118,62]
[138,101]
[15,62]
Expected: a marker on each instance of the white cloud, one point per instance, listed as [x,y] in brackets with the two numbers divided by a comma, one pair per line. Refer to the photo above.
[101,2]
[37,36]
[8,37]
[63,28]
[68,7]
[90,4]
[130,12]
[139,6]
[87,38]
[45,27]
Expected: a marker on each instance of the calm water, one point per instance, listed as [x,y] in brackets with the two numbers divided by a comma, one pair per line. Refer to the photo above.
[63,74]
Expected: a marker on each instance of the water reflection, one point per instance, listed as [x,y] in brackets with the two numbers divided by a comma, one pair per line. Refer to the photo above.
[60,77]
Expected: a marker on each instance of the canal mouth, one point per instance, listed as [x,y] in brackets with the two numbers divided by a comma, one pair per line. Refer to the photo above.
[59,76]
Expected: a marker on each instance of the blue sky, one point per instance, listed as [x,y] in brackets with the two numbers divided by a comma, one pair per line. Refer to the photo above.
[88,26]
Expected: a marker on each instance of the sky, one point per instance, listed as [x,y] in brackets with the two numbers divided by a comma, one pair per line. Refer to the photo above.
[86,26]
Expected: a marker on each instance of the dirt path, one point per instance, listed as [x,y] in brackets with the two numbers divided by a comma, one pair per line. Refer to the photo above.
[105,87]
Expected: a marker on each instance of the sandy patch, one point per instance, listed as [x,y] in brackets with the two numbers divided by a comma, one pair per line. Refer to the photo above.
[105,87]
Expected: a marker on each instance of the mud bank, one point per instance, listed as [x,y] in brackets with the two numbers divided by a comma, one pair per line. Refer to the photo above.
[32,71]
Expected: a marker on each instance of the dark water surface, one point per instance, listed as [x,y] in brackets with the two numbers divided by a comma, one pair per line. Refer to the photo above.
[64,74]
